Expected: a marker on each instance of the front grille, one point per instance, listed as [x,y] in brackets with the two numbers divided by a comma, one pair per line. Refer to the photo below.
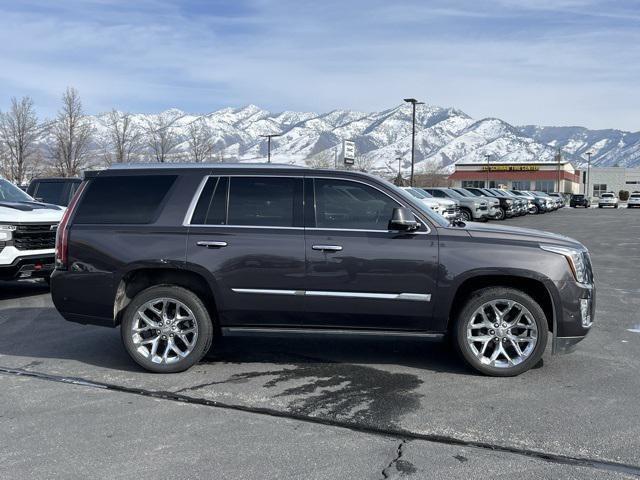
[35,236]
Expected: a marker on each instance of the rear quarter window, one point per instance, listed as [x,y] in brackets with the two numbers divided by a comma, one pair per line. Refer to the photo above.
[133,199]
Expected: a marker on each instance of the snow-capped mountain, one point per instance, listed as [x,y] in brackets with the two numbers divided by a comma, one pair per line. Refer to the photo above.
[444,136]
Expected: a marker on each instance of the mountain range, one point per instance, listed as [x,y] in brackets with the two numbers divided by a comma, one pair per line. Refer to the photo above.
[444,137]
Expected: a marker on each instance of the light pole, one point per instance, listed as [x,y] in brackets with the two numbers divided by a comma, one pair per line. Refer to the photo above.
[269,137]
[413,103]
[488,157]
[586,188]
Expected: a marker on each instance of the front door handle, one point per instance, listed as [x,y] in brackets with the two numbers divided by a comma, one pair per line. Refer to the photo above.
[212,244]
[327,248]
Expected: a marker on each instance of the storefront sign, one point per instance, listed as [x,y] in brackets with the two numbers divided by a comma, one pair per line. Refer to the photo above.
[510,168]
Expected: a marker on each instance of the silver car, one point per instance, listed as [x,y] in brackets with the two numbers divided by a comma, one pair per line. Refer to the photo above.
[634,200]
[449,209]
[608,199]
[471,209]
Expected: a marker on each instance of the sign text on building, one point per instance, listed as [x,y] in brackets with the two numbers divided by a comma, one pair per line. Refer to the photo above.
[510,168]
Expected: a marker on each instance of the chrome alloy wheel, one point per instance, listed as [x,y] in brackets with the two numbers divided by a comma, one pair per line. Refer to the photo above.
[502,333]
[164,331]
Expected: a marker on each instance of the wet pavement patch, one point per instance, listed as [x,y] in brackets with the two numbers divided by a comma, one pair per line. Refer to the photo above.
[356,393]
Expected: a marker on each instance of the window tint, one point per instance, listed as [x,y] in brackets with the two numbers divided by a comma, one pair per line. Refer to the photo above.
[265,201]
[49,192]
[352,205]
[212,205]
[130,199]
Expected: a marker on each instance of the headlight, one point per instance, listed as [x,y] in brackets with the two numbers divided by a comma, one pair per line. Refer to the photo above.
[575,259]
[509,202]
[6,232]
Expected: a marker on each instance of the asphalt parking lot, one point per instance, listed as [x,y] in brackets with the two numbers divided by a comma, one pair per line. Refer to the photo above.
[73,405]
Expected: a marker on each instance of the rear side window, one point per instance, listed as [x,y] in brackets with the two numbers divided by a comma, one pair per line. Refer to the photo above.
[50,192]
[250,201]
[133,199]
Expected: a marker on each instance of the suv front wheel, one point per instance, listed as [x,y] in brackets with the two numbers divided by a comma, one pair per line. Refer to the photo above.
[501,331]
[166,329]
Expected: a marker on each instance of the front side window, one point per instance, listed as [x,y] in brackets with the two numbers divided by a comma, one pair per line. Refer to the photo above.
[343,204]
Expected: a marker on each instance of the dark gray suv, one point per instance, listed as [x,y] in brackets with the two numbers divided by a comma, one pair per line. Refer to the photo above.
[178,254]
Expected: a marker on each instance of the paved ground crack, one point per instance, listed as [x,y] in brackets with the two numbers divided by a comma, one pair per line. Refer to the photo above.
[387,432]
[398,463]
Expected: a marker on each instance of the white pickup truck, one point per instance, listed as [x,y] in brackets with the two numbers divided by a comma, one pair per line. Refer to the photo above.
[27,234]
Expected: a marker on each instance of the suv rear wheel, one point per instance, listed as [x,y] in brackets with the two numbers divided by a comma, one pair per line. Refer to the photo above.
[501,332]
[166,329]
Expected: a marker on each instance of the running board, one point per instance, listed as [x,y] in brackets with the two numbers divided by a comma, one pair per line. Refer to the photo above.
[330,331]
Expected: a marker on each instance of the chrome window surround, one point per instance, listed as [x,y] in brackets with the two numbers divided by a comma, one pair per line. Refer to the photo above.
[417,297]
[198,193]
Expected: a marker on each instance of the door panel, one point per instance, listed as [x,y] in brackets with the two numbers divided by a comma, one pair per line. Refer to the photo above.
[247,232]
[370,277]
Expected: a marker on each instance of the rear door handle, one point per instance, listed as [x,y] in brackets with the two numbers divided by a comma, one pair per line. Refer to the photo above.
[327,248]
[212,244]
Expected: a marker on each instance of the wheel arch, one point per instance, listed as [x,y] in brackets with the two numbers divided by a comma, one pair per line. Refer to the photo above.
[534,287]
[138,279]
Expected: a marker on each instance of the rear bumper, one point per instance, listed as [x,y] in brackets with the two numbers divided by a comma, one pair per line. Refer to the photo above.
[28,266]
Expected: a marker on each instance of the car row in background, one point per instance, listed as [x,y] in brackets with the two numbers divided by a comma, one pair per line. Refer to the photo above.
[482,204]
[606,199]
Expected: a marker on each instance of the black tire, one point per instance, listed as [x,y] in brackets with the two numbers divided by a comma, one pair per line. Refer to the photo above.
[201,316]
[502,214]
[535,209]
[466,215]
[475,301]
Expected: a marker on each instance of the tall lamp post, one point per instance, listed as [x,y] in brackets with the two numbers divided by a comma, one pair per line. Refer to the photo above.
[586,187]
[413,103]
[269,137]
[488,157]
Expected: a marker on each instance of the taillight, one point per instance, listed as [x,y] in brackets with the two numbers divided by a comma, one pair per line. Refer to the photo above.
[62,234]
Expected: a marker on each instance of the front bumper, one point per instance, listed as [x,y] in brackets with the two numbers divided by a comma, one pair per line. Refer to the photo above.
[575,315]
[28,266]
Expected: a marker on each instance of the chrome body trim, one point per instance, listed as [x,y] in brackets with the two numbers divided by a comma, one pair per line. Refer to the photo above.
[416,297]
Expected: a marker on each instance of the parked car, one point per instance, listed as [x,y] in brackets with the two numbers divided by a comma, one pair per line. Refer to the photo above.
[524,202]
[539,204]
[27,234]
[494,203]
[634,200]
[57,191]
[449,209]
[559,198]
[507,205]
[552,203]
[579,200]
[213,249]
[471,209]
[608,199]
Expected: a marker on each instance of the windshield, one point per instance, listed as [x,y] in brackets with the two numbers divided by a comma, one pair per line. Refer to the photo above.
[10,193]
[542,194]
[463,192]
[433,216]
[416,192]
[607,195]
[635,195]
[453,193]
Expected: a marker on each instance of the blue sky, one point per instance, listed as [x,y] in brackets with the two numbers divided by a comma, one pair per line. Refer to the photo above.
[552,62]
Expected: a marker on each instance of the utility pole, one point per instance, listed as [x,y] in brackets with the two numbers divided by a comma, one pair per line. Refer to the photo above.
[413,103]
[586,188]
[269,137]
[488,157]
[559,158]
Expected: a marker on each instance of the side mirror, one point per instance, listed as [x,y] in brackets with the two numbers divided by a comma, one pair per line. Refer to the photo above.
[403,219]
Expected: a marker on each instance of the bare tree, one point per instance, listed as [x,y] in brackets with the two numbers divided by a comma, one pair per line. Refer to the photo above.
[19,132]
[123,137]
[72,133]
[161,137]
[201,143]
[323,159]
[364,163]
